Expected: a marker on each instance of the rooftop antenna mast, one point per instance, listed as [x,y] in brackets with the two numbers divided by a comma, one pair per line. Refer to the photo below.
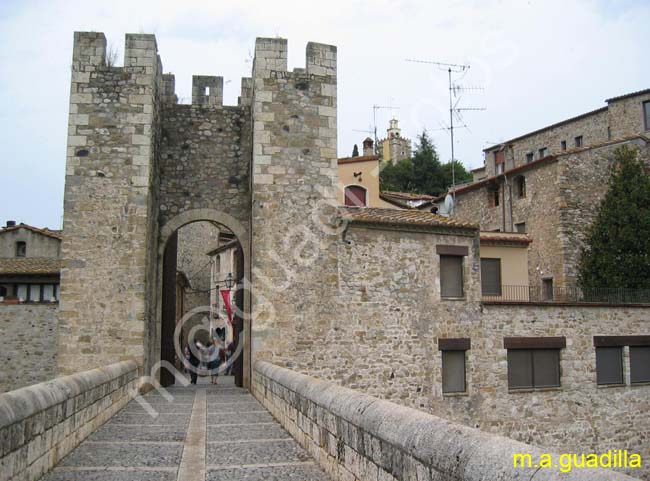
[451,68]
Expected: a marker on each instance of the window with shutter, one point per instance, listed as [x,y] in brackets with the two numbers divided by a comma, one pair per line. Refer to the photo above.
[609,365]
[533,368]
[491,277]
[453,371]
[451,276]
[355,196]
[639,364]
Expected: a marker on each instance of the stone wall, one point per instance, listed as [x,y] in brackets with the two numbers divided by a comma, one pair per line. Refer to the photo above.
[41,424]
[621,117]
[111,186]
[29,344]
[583,183]
[294,182]
[382,339]
[205,160]
[358,437]
[626,114]
[562,198]
[538,209]
[37,245]
[591,126]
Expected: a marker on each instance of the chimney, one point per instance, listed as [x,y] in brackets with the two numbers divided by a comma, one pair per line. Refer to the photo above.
[367,147]
[11,223]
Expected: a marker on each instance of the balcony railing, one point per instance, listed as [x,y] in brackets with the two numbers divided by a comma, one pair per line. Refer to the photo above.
[566,295]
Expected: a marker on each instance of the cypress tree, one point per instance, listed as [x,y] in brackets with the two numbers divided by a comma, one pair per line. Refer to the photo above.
[617,248]
[355,151]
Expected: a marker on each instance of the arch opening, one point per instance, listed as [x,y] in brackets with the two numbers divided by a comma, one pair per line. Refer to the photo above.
[202,308]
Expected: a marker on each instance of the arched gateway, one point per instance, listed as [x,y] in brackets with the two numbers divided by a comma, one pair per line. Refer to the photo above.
[140,166]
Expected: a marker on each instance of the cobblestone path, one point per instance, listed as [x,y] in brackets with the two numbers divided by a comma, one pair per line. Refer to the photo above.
[207,433]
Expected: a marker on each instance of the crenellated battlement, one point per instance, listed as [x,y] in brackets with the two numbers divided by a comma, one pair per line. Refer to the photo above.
[271,56]
[207,90]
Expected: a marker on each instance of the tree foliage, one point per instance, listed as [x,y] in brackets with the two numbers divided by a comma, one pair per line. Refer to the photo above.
[355,151]
[423,173]
[617,247]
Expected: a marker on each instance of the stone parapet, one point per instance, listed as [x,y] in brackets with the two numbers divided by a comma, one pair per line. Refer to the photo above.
[358,437]
[41,424]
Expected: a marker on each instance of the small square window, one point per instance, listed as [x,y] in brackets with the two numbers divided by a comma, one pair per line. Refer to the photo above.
[453,371]
[563,145]
[639,364]
[578,141]
[21,249]
[609,365]
[530,156]
[543,152]
[451,276]
[520,227]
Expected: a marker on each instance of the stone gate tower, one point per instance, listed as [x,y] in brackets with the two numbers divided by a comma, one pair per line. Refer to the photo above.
[140,165]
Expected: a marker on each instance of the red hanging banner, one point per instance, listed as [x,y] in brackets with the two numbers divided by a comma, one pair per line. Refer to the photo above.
[225,294]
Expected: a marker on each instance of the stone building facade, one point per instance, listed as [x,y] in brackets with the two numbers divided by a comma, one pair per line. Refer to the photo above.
[363,296]
[549,183]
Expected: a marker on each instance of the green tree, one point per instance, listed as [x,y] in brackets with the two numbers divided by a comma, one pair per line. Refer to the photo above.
[423,173]
[355,151]
[617,247]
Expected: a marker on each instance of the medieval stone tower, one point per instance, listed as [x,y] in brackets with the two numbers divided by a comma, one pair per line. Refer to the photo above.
[140,166]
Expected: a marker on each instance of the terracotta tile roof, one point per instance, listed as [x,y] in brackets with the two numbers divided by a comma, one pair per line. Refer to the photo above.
[30,265]
[505,238]
[362,158]
[56,234]
[395,217]
[631,94]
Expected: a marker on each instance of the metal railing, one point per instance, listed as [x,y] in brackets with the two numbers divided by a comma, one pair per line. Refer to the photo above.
[566,294]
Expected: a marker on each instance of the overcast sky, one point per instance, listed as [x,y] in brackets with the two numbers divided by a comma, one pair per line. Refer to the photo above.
[537,61]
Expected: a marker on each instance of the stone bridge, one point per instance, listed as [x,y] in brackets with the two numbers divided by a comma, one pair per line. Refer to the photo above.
[96,426]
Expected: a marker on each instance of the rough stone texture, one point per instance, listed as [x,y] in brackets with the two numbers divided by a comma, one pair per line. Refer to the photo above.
[205,160]
[383,340]
[37,244]
[579,416]
[539,210]
[357,437]
[29,348]
[109,193]
[41,424]
[563,192]
[562,199]
[133,448]
[294,190]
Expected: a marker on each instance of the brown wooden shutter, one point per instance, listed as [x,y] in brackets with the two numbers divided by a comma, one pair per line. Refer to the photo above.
[451,276]
[609,365]
[639,364]
[491,277]
[453,371]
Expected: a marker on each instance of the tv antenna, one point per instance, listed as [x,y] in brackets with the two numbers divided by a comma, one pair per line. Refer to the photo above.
[453,108]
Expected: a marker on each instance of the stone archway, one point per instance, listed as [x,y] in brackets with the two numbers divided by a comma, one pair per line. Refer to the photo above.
[166,250]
